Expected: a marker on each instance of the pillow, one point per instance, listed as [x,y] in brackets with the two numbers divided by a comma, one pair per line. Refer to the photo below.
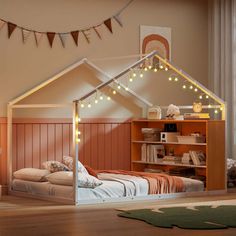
[91,171]
[68,161]
[66,178]
[31,174]
[54,166]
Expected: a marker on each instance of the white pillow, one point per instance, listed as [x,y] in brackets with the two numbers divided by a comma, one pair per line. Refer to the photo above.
[68,161]
[54,166]
[66,178]
[31,174]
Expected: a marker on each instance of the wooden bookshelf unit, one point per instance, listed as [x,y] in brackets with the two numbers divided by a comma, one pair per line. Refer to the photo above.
[214,148]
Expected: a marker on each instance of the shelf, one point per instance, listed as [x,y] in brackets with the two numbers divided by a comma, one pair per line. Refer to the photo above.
[174,143]
[169,164]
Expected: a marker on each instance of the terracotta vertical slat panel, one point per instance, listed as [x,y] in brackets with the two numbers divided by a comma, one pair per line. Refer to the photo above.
[36,146]
[94,146]
[121,149]
[81,144]
[51,142]
[58,142]
[43,142]
[1,159]
[28,145]
[101,146]
[66,139]
[20,146]
[4,153]
[127,143]
[115,144]
[108,146]
[14,147]
[87,144]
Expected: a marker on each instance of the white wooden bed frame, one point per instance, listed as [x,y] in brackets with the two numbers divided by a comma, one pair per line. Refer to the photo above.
[75,107]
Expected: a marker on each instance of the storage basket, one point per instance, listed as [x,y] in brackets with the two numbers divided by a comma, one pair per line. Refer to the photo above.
[191,139]
[151,134]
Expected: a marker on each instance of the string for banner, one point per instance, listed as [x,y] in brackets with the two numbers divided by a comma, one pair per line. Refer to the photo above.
[85,29]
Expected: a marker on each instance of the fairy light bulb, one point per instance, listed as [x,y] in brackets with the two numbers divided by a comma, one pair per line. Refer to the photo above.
[141,75]
[166,68]
[82,105]
[221,108]
[78,132]
[89,105]
[118,86]
[96,101]
[200,97]
[216,111]
[161,67]
[170,78]
[145,69]
[176,79]
[209,106]
[77,119]
[78,140]
[184,86]
[101,97]
[134,74]
[130,79]
[207,96]
[108,98]
[155,69]
[195,90]
[126,88]
[150,67]
[114,92]
[190,87]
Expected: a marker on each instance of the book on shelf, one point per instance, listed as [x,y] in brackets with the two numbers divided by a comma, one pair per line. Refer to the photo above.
[197,116]
[171,160]
[152,153]
[144,152]
[198,157]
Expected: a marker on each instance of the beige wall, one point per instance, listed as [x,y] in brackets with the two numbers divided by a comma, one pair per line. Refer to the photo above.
[22,66]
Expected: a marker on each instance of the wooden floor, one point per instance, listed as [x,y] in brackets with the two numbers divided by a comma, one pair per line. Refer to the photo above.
[22,216]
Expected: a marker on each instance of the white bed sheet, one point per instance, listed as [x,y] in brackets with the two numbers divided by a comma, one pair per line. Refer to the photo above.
[118,187]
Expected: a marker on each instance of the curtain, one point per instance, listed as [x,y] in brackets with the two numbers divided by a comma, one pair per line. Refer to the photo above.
[222,58]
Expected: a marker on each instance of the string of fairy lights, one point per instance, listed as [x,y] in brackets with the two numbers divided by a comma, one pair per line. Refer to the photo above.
[139,72]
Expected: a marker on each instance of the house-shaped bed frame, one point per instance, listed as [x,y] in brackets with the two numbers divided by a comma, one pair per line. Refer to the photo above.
[75,105]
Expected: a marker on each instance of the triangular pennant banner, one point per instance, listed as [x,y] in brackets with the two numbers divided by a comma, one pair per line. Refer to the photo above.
[11,28]
[63,37]
[51,36]
[25,34]
[2,23]
[96,31]
[86,35]
[107,23]
[118,20]
[75,35]
[38,36]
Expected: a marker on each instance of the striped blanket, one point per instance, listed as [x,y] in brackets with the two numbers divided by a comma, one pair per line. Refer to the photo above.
[158,183]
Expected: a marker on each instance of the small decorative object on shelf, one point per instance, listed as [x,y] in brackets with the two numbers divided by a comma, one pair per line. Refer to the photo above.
[169,137]
[191,139]
[196,116]
[154,113]
[197,106]
[151,134]
[173,112]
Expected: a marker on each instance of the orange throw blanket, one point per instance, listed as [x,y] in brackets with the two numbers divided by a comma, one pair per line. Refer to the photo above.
[158,183]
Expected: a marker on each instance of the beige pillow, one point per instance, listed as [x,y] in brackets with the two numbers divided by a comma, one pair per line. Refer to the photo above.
[31,174]
[54,166]
[66,178]
[68,161]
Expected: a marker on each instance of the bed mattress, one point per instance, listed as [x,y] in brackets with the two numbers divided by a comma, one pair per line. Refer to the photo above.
[119,187]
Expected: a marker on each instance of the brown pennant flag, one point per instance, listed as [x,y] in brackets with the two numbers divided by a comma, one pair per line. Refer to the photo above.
[38,36]
[96,31]
[63,37]
[118,20]
[107,23]
[86,35]
[75,36]
[2,23]
[25,34]
[11,28]
[51,36]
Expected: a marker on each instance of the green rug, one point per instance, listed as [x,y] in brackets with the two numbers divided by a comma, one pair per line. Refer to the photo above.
[201,217]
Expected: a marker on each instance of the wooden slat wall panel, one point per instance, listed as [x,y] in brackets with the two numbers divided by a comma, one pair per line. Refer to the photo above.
[104,145]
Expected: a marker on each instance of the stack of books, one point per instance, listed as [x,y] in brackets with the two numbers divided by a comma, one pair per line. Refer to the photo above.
[198,157]
[196,116]
[171,159]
